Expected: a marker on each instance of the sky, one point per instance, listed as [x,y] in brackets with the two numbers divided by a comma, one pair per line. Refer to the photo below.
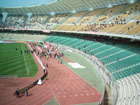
[22,3]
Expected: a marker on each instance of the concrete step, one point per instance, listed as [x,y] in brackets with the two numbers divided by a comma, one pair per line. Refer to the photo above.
[108,98]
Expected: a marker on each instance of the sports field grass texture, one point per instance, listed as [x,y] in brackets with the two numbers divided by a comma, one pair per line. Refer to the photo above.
[15,63]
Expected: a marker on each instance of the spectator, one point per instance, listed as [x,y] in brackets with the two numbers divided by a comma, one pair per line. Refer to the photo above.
[128,28]
[103,62]
[45,71]
[18,93]
[26,92]
[47,66]
[137,22]
[117,58]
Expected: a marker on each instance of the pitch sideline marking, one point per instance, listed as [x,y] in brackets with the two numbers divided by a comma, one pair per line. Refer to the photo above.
[25,61]
[36,57]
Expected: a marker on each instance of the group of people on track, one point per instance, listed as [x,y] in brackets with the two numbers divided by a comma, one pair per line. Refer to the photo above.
[47,54]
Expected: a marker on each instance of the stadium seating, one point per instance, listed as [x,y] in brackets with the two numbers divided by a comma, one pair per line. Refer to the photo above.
[74,17]
[14,21]
[57,18]
[113,20]
[109,20]
[36,21]
[89,18]
[134,30]
[137,17]
[129,91]
[121,19]
[121,60]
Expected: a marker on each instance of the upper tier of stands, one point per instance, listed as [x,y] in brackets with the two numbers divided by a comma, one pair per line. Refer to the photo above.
[13,21]
[64,6]
[35,21]
[122,19]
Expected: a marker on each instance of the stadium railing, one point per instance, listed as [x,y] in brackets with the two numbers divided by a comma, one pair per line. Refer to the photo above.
[90,33]
[22,91]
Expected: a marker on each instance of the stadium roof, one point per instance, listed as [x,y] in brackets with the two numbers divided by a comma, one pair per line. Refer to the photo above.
[23,3]
[65,6]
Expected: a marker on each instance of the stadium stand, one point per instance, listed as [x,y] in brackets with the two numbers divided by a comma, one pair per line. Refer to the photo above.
[121,60]
[74,18]
[109,20]
[57,18]
[128,57]
[35,22]
[14,21]
[129,90]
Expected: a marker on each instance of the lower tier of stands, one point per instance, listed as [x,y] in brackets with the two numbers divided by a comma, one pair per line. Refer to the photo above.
[121,60]
[129,91]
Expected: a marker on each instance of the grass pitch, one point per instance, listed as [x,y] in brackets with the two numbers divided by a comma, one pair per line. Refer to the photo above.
[16,62]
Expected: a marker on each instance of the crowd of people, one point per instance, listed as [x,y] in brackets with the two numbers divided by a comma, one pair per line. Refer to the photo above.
[39,22]
[35,21]
[13,22]
[47,53]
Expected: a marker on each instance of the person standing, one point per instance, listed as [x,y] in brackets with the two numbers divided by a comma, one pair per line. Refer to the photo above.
[47,56]
[45,70]
[18,93]
[46,73]
[61,60]
[26,92]
[117,58]
[103,62]
[46,65]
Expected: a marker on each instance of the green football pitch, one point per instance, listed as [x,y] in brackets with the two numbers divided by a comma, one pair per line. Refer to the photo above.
[16,61]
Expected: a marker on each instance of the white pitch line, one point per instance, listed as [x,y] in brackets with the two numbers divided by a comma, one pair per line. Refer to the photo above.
[36,57]
[25,61]
[39,49]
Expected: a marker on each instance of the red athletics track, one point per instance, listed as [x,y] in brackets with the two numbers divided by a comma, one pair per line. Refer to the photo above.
[63,84]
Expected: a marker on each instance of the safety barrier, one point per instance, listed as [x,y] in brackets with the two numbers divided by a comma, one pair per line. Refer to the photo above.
[22,91]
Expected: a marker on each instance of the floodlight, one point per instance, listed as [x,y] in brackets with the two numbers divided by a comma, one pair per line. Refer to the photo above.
[52,13]
[131,1]
[90,9]
[109,6]
[73,11]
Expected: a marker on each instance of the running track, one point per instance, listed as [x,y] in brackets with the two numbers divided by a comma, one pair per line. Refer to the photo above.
[63,84]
